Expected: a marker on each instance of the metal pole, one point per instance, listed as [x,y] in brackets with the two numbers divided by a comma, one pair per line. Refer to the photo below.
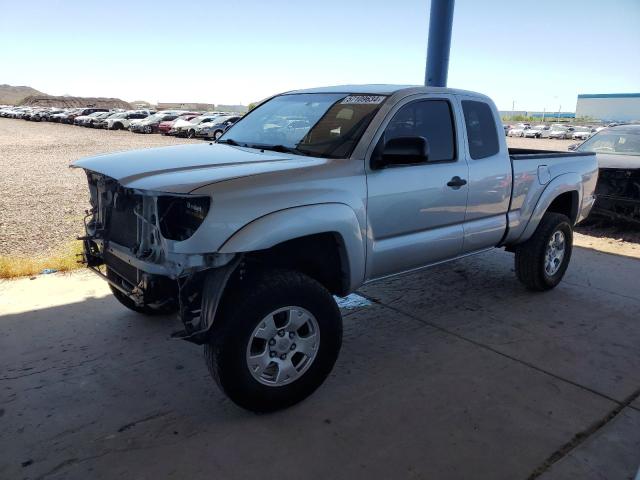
[439,43]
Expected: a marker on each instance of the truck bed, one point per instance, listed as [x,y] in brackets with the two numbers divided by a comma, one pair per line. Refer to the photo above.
[532,171]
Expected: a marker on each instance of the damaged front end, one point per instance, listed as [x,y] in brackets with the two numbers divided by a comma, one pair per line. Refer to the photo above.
[132,241]
[618,194]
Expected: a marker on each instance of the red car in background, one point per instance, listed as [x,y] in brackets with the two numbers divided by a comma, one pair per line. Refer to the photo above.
[165,126]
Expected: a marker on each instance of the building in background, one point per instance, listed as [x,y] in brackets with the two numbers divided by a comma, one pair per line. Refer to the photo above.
[186,106]
[609,107]
[542,116]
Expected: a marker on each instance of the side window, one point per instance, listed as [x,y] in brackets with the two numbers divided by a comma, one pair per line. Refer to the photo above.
[481,129]
[431,119]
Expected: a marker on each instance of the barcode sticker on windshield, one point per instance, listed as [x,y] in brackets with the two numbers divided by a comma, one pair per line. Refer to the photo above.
[363,99]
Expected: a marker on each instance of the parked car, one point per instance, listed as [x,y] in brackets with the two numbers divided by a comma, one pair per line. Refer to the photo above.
[122,120]
[166,126]
[214,129]
[71,116]
[46,114]
[151,123]
[187,128]
[582,133]
[618,190]
[87,120]
[561,132]
[536,131]
[518,130]
[249,238]
[61,117]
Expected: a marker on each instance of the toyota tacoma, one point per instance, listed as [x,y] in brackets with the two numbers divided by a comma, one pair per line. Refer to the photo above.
[311,195]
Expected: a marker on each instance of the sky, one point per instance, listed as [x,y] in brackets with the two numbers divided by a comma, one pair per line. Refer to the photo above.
[530,55]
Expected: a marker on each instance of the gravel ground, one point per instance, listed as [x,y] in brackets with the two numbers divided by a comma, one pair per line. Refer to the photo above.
[42,201]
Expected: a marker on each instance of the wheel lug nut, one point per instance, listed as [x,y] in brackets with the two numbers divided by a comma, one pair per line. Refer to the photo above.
[272,354]
[272,342]
[283,356]
[293,346]
[291,334]
[281,333]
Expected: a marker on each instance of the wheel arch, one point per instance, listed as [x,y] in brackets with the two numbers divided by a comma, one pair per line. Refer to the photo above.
[324,229]
[562,195]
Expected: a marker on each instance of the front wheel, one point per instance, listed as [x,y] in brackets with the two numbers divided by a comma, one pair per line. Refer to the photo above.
[275,341]
[542,261]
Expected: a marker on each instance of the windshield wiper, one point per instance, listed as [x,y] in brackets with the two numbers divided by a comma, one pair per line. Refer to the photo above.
[281,148]
[229,141]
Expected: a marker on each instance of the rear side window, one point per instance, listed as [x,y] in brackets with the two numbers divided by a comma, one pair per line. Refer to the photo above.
[431,119]
[481,129]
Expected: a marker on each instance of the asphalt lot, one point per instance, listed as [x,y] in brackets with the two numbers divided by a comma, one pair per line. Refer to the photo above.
[456,372]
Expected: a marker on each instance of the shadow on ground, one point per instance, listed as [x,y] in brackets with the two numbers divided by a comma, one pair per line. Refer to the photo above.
[454,372]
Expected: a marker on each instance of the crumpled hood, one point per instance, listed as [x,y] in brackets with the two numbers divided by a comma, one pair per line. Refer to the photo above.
[184,168]
[612,160]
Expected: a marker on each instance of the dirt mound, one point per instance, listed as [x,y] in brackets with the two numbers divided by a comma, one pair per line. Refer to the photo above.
[67,102]
[13,94]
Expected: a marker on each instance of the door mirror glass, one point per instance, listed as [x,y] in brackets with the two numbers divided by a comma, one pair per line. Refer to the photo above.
[402,151]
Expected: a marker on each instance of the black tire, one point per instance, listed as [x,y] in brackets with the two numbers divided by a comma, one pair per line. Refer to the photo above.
[241,313]
[530,255]
[118,126]
[131,305]
[191,133]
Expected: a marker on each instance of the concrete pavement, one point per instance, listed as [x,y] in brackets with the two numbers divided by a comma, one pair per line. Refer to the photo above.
[453,372]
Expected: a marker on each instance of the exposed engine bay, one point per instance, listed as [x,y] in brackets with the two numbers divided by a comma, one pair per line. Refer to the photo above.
[130,239]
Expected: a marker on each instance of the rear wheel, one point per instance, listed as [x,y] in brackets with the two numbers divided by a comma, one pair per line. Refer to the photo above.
[217,134]
[542,261]
[275,341]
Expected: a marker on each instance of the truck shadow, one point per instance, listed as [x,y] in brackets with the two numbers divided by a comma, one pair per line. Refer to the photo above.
[91,376]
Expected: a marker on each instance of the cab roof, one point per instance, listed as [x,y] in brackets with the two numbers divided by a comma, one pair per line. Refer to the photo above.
[381,89]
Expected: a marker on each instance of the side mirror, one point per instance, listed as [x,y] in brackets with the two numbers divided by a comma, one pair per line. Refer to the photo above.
[400,151]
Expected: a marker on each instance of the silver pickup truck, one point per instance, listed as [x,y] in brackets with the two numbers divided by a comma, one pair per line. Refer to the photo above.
[313,194]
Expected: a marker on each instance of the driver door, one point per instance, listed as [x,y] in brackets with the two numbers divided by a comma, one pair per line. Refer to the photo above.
[416,211]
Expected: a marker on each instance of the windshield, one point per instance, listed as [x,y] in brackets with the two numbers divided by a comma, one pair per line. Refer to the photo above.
[317,124]
[621,142]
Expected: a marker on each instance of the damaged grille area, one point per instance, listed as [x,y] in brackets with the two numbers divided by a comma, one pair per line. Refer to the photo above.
[618,194]
[122,223]
[123,220]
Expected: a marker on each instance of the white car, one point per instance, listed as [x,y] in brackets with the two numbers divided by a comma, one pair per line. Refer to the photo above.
[187,128]
[122,121]
[518,130]
[561,132]
[582,133]
[535,132]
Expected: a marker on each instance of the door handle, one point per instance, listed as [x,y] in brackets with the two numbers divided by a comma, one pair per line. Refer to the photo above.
[456,182]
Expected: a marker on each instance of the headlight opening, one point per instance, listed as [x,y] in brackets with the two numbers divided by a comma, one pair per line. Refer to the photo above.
[180,217]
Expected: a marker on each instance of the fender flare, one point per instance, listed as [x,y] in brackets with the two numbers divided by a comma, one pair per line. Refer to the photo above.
[277,227]
[567,182]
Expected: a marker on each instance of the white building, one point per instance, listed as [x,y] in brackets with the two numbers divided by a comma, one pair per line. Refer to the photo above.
[609,107]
